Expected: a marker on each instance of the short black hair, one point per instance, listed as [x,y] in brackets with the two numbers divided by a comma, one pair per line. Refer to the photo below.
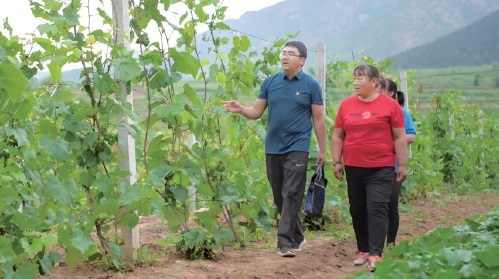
[300,46]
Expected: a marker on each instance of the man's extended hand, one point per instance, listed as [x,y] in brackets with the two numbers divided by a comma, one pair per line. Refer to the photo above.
[232,106]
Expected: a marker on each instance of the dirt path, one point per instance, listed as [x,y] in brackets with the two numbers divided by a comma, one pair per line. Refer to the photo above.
[321,258]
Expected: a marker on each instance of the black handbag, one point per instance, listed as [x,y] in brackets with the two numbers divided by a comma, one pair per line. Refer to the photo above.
[316,194]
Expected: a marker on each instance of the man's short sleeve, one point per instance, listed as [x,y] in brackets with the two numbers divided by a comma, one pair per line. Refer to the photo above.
[264,88]
[316,92]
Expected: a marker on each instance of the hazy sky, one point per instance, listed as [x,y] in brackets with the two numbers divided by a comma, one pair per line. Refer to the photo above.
[22,21]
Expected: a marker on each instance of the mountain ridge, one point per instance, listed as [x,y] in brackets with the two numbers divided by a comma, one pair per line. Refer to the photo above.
[378,28]
[473,45]
[368,26]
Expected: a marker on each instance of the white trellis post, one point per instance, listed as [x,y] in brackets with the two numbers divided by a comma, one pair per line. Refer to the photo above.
[320,71]
[320,68]
[480,133]
[451,125]
[192,189]
[404,88]
[126,143]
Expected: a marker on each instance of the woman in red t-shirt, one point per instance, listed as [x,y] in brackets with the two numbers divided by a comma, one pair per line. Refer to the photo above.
[369,135]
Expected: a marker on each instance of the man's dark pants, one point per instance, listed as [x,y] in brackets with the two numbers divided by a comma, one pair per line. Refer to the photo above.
[287,174]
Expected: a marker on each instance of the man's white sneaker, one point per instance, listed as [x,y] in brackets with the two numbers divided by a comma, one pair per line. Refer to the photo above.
[286,252]
[300,246]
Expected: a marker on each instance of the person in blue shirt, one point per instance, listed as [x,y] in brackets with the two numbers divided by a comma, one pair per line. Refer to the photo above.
[410,131]
[295,106]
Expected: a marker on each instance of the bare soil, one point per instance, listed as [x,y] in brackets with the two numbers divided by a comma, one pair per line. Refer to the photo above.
[322,257]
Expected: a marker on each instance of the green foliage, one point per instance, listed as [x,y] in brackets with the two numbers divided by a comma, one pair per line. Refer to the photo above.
[60,179]
[430,82]
[452,149]
[496,82]
[467,250]
[60,155]
[476,81]
[196,244]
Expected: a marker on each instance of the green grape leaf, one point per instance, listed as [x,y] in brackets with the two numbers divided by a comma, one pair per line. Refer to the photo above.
[71,16]
[19,133]
[48,127]
[116,254]
[169,110]
[223,235]
[245,43]
[161,171]
[456,257]
[6,254]
[127,68]
[58,149]
[159,80]
[105,84]
[249,211]
[31,246]
[180,192]
[191,95]
[130,194]
[73,256]
[26,270]
[55,70]
[46,264]
[83,243]
[129,220]
[13,81]
[488,257]
[174,220]
[62,192]
[184,62]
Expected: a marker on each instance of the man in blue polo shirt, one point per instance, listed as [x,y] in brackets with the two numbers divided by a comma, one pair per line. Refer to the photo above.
[295,104]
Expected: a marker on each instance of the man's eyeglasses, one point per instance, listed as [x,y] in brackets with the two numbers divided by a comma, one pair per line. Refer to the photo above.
[289,54]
